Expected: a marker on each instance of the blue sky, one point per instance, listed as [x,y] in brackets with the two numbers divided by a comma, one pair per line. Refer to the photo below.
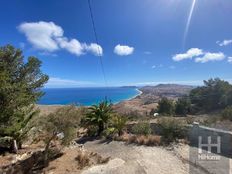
[141,42]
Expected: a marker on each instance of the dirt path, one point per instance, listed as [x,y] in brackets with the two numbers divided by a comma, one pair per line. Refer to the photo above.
[131,159]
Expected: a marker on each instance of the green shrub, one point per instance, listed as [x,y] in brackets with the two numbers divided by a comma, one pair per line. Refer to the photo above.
[141,128]
[166,107]
[227,113]
[92,130]
[172,129]
[118,123]
[63,122]
[183,106]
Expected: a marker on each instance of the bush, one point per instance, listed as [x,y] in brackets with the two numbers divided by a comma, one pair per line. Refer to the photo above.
[183,106]
[149,140]
[87,159]
[141,128]
[166,107]
[62,123]
[118,123]
[227,113]
[92,130]
[172,129]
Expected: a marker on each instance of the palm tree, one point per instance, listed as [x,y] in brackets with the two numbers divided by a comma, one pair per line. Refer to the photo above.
[99,115]
[118,123]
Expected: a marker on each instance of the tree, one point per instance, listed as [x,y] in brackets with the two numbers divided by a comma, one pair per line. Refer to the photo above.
[215,94]
[64,122]
[99,115]
[166,106]
[183,106]
[20,84]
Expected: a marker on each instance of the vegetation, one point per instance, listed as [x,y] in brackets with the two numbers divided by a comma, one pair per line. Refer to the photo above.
[227,113]
[61,124]
[85,159]
[99,115]
[141,128]
[19,91]
[149,140]
[183,106]
[172,129]
[216,94]
[166,106]
[118,123]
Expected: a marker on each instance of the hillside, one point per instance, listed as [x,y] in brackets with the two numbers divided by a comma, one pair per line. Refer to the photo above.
[142,104]
[166,90]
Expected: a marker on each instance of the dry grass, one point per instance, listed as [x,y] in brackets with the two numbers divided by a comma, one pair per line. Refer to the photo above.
[149,140]
[85,159]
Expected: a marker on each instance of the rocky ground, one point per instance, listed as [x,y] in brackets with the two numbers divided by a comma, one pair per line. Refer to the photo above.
[132,159]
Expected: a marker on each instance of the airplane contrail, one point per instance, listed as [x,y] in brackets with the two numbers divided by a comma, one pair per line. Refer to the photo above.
[188,22]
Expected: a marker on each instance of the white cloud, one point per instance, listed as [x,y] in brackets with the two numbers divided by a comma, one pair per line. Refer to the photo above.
[94,48]
[210,57]
[153,67]
[47,36]
[193,52]
[224,43]
[230,59]
[123,50]
[42,35]
[73,46]
[59,82]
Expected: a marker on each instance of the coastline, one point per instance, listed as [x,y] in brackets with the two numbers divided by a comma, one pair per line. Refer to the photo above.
[49,108]
[131,98]
[114,103]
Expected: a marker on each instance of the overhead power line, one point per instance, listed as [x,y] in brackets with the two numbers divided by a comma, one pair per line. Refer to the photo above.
[96,39]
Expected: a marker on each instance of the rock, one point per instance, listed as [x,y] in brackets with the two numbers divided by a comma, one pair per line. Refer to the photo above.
[6,142]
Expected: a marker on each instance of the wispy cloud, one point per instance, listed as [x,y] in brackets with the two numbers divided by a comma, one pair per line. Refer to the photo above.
[183,82]
[154,66]
[123,50]
[49,37]
[56,82]
[45,53]
[187,82]
[157,66]
[193,52]
[210,57]
[230,59]
[147,52]
[172,67]
[224,42]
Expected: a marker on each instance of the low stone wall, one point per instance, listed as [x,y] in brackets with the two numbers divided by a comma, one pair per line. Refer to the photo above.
[196,131]
[22,166]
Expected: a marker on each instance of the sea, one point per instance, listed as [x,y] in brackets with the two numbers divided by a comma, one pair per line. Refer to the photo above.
[87,96]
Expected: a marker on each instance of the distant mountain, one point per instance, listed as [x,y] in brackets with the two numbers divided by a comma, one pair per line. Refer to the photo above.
[128,87]
[166,90]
